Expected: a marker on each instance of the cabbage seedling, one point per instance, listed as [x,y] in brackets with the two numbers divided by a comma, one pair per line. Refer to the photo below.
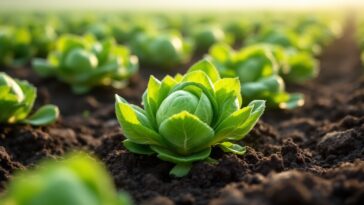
[185,116]
[257,67]
[16,102]
[85,63]
[76,180]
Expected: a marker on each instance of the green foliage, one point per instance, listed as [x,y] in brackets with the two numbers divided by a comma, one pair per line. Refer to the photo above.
[16,102]
[206,36]
[19,44]
[298,66]
[185,116]
[14,46]
[84,63]
[258,69]
[238,29]
[163,50]
[76,180]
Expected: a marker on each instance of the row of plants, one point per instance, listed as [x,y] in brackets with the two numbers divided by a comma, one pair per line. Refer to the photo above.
[274,53]
[179,36]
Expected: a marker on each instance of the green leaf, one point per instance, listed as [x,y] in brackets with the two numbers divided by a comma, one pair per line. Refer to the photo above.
[236,119]
[186,133]
[30,93]
[233,148]
[166,85]
[206,67]
[228,97]
[137,148]
[239,129]
[204,110]
[151,99]
[46,115]
[181,170]
[199,77]
[221,52]
[256,113]
[133,128]
[169,156]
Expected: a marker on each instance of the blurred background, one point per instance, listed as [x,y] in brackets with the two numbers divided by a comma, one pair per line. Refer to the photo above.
[178,5]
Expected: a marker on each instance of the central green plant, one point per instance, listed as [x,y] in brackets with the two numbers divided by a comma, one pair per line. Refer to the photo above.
[185,116]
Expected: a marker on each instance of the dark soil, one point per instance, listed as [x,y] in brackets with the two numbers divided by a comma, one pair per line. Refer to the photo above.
[312,155]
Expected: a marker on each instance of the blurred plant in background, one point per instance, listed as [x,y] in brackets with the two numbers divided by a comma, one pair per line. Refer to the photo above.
[83,62]
[76,180]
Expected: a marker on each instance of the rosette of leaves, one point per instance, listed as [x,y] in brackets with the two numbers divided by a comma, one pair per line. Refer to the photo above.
[76,180]
[16,102]
[84,63]
[258,69]
[185,116]
[164,50]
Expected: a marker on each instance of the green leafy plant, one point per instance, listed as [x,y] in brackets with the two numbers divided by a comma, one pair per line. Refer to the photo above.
[298,66]
[76,180]
[163,50]
[84,63]
[15,49]
[185,116]
[206,36]
[16,102]
[258,68]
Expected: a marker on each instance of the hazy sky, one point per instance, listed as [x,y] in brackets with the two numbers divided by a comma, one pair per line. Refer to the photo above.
[175,4]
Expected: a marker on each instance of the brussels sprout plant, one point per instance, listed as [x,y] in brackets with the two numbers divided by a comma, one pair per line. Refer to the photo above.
[164,50]
[16,102]
[85,63]
[76,180]
[185,116]
[257,67]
